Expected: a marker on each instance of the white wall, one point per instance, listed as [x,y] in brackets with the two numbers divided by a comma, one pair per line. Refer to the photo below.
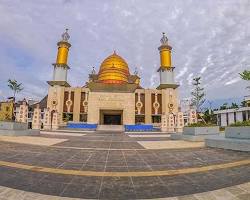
[167,77]
[230,118]
[60,74]
[223,119]
[239,116]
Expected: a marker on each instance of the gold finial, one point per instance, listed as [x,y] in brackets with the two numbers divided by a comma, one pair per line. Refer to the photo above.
[114,52]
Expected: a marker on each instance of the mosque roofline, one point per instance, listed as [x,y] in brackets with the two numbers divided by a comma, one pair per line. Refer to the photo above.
[60,83]
[106,87]
[164,86]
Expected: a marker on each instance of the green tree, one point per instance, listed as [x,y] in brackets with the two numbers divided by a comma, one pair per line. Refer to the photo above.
[224,106]
[234,105]
[15,87]
[245,75]
[198,94]
[243,104]
[209,116]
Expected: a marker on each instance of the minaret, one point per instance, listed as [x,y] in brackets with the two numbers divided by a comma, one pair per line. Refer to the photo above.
[61,67]
[166,70]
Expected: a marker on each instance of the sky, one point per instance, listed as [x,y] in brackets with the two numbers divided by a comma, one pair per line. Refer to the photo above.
[210,39]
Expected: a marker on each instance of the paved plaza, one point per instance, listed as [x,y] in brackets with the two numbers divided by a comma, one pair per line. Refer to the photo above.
[117,165]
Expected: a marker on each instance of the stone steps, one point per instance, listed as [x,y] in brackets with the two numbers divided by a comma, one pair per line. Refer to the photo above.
[113,128]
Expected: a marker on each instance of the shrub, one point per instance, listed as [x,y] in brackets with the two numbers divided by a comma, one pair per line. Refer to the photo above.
[244,123]
[201,124]
[222,128]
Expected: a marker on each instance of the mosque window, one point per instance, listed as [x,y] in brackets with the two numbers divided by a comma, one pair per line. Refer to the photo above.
[67,117]
[156,119]
[139,119]
[83,117]
[30,115]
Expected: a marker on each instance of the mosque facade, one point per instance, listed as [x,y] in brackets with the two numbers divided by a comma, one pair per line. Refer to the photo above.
[112,96]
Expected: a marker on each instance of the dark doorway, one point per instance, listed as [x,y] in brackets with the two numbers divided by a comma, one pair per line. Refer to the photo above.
[112,119]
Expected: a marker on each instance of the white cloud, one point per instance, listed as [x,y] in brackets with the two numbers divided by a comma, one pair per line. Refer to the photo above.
[182,72]
[153,80]
[235,80]
[190,78]
[209,39]
[126,13]
[203,69]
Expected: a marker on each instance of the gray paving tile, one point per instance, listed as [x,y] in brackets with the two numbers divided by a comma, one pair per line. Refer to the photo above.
[117,188]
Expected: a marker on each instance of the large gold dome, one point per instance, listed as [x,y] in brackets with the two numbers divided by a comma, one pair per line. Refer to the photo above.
[113,69]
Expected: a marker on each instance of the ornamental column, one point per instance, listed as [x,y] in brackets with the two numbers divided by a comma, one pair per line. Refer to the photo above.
[36,120]
[168,87]
[166,70]
[61,66]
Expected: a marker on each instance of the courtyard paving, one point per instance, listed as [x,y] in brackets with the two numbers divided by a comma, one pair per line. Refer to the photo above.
[104,165]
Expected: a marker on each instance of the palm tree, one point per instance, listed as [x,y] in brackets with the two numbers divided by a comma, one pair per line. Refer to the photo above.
[224,106]
[234,105]
[15,87]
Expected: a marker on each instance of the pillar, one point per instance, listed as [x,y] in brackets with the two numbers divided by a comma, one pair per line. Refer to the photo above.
[47,119]
[36,120]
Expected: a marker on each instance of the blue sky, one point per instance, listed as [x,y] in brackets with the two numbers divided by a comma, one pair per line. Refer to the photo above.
[210,39]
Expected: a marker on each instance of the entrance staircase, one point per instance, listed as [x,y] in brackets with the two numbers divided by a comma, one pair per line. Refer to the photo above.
[111,128]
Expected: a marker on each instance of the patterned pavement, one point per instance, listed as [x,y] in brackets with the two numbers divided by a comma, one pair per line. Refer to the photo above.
[116,154]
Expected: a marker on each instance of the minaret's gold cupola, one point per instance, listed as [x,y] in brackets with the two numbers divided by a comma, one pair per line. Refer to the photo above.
[63,49]
[165,52]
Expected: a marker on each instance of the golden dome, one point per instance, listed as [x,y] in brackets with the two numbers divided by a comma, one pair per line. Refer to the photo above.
[113,69]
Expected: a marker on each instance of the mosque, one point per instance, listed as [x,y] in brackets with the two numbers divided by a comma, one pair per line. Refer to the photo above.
[113,95]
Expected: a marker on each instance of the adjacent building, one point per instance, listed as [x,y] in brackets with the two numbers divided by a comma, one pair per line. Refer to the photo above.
[31,105]
[230,116]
